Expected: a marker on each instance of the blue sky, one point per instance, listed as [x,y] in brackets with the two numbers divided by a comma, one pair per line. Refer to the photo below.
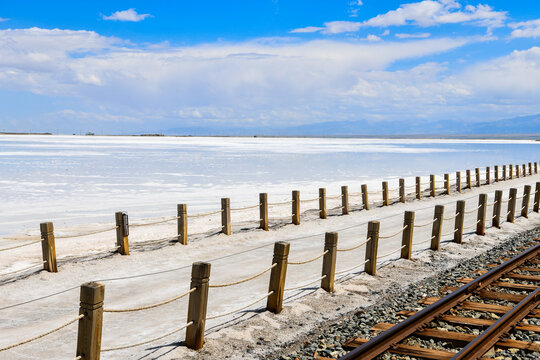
[136,66]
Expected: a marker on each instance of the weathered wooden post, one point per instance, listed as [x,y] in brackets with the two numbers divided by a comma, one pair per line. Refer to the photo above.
[181,224]
[458,181]
[524,171]
[365,197]
[504,172]
[122,232]
[329,261]
[407,237]
[277,277]
[296,207]
[478,180]
[418,187]
[447,184]
[488,175]
[372,247]
[517,171]
[91,325]
[536,167]
[432,185]
[437,228]
[530,168]
[226,216]
[537,197]
[510,172]
[468,179]
[263,211]
[385,193]
[322,203]
[198,301]
[460,220]
[402,190]
[344,200]
[481,218]
[525,201]
[511,205]
[496,221]
[48,247]
[496,171]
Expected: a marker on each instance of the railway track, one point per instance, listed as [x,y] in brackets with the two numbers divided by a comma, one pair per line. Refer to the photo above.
[483,314]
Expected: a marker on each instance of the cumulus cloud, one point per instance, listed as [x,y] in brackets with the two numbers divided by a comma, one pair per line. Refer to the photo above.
[372,37]
[307,29]
[270,80]
[425,13]
[413,35]
[126,15]
[525,29]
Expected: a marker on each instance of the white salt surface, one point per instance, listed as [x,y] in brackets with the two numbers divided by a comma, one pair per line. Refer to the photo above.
[234,257]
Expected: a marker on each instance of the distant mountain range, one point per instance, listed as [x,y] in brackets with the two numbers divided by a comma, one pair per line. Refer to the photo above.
[529,125]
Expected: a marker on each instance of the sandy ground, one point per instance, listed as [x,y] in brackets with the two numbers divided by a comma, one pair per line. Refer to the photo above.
[152,274]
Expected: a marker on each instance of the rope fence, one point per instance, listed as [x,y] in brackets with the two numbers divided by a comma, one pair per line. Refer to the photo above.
[397,233]
[20,246]
[151,306]
[305,285]
[240,309]
[243,280]
[354,247]
[309,260]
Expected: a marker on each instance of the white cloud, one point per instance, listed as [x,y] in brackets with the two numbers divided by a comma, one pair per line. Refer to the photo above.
[3,19]
[385,32]
[126,15]
[372,37]
[413,36]
[425,13]
[276,80]
[307,29]
[525,29]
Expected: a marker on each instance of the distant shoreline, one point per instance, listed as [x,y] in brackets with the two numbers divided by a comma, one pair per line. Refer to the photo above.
[534,136]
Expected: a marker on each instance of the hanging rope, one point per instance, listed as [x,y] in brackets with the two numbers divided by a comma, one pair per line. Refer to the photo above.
[243,280]
[205,214]
[150,306]
[304,285]
[427,224]
[85,234]
[247,207]
[240,309]
[391,236]
[352,268]
[20,246]
[309,260]
[354,247]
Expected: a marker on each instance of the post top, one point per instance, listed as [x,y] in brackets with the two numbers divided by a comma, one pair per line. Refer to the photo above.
[92,292]
[200,269]
[281,248]
[46,226]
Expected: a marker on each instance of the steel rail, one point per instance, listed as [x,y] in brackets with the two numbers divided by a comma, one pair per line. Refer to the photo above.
[481,344]
[399,332]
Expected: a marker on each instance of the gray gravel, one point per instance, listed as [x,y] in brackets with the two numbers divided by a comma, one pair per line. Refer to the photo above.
[327,340]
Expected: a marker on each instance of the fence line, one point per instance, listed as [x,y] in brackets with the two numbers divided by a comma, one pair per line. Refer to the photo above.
[306,284]
[240,309]
[243,280]
[354,247]
[151,306]
[391,236]
[20,246]
[309,260]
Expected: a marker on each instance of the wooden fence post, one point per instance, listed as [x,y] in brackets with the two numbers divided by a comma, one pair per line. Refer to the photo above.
[488,175]
[418,187]
[226,216]
[296,207]
[478,179]
[496,221]
[407,237]
[537,197]
[481,218]
[122,232]
[402,190]
[447,184]
[524,171]
[263,211]
[385,193]
[91,325]
[365,197]
[344,200]
[525,202]
[460,220]
[517,171]
[329,261]
[536,167]
[530,168]
[48,247]
[277,277]
[372,247]
[496,171]
[437,228]
[432,185]
[182,223]
[504,173]
[511,205]
[198,302]
[322,203]
[468,179]
[510,172]
[458,181]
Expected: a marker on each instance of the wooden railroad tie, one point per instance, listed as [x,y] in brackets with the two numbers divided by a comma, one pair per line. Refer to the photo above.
[473,305]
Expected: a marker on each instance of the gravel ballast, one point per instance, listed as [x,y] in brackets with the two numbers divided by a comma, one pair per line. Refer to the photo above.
[327,341]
